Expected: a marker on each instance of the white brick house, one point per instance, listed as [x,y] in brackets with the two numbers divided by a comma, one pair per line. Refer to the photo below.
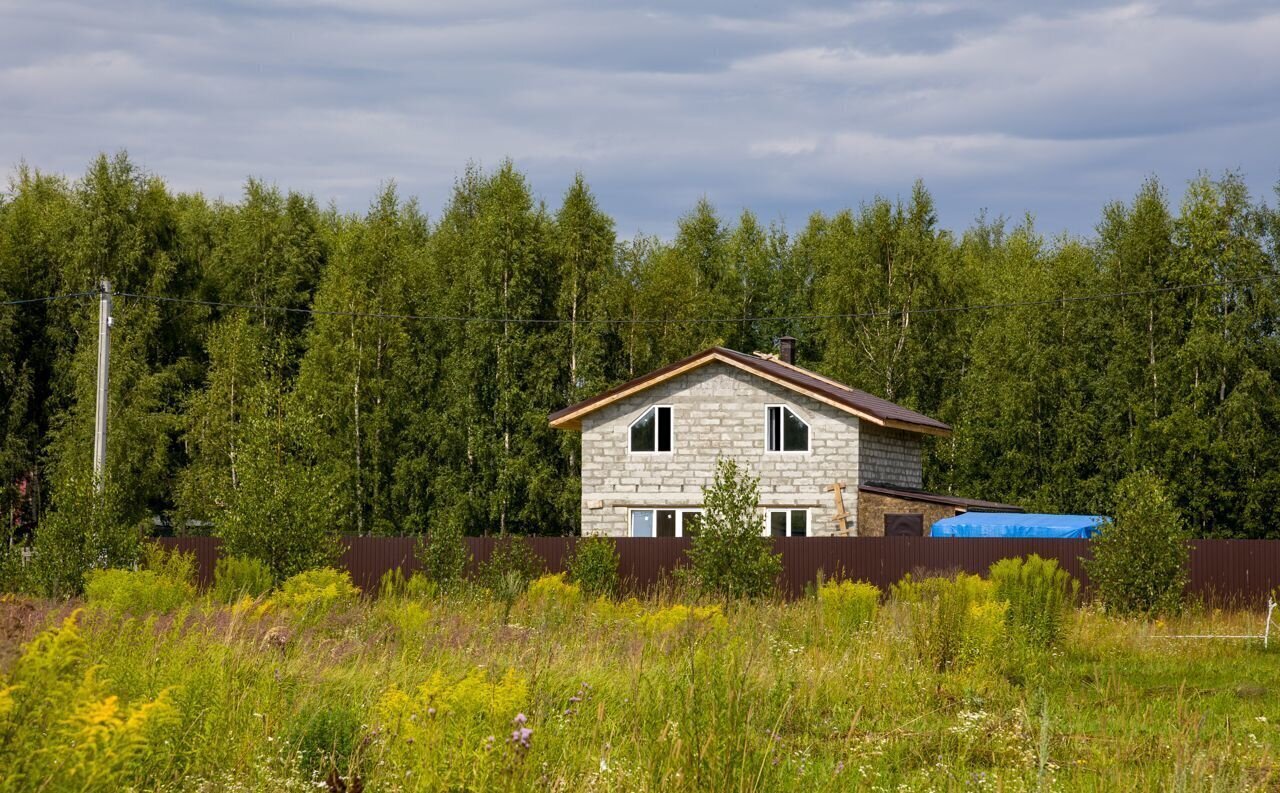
[650,445]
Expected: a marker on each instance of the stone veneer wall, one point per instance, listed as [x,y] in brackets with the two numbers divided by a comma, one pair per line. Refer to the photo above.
[717,409]
[872,507]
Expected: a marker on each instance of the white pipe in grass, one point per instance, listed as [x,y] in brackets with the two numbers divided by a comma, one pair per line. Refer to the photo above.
[1265,636]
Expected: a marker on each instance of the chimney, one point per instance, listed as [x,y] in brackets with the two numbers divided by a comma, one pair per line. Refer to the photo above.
[787,349]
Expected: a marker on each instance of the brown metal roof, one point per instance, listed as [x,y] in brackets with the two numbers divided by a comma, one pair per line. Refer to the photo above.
[876,410]
[911,494]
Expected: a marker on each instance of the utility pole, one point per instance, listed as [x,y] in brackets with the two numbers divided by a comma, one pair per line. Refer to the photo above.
[104,367]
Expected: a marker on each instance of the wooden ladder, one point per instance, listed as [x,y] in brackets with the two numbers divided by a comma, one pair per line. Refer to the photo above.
[841,516]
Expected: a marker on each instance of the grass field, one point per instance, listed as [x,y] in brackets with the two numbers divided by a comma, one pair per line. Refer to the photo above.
[438,693]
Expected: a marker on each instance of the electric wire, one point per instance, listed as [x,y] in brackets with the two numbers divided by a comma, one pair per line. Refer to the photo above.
[47,299]
[1054,302]
[1058,302]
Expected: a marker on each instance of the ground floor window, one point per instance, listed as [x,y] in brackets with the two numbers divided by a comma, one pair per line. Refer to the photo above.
[787,523]
[665,522]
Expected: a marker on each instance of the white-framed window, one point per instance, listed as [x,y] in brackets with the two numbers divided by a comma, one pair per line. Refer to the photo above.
[651,432]
[786,523]
[784,431]
[674,522]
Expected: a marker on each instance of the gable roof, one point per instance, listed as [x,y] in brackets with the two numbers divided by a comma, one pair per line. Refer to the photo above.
[870,408]
[913,494]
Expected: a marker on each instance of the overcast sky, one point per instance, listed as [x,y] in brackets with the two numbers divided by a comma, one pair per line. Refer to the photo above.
[784,109]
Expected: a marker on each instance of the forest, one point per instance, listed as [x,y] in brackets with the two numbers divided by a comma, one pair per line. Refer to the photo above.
[276,361]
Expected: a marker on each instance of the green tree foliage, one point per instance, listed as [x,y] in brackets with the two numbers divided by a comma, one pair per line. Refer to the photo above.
[882,266]
[730,556]
[270,249]
[281,507]
[1139,563]
[348,377]
[215,417]
[397,423]
[86,530]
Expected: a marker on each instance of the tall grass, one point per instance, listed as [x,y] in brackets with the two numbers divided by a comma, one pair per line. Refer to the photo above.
[575,693]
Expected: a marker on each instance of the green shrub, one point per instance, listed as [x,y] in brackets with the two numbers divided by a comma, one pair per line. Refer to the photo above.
[952,621]
[1039,596]
[594,566]
[510,569]
[174,564]
[136,592]
[285,501]
[730,556]
[86,529]
[512,563]
[552,598]
[235,577]
[1139,563]
[444,555]
[847,605]
[416,586]
[316,592]
[165,583]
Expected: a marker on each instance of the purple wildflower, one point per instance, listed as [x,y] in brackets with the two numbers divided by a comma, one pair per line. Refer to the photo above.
[520,719]
[521,737]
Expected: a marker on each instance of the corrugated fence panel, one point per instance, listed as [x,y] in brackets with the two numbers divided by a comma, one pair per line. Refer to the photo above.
[1221,571]
[205,549]
[369,558]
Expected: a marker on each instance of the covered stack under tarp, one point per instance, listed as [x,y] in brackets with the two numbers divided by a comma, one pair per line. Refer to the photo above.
[1009,525]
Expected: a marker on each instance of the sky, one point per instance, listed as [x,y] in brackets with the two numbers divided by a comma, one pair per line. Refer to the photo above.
[1053,109]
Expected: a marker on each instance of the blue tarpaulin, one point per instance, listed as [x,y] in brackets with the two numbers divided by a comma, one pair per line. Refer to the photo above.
[1018,524]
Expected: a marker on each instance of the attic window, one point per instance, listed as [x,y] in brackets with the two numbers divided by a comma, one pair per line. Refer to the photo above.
[785,431]
[652,431]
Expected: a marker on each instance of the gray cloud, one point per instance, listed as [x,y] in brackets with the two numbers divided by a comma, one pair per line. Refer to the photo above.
[998,106]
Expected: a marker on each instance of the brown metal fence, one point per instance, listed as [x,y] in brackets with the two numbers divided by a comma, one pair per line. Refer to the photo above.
[1222,571]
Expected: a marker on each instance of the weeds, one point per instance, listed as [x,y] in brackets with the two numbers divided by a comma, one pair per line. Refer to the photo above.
[848,606]
[433,691]
[1039,597]
[236,577]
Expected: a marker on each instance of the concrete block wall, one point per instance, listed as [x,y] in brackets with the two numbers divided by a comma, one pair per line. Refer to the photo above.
[890,457]
[717,410]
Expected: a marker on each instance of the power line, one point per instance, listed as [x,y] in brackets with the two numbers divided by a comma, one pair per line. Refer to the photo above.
[1057,302]
[47,299]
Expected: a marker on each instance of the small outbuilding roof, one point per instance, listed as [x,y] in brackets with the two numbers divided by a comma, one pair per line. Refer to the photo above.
[912,494]
[998,524]
[865,406]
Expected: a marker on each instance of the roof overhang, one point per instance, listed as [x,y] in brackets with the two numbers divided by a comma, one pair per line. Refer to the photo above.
[913,494]
[570,418]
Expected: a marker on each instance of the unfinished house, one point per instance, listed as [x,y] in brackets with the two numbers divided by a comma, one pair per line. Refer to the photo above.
[832,460]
